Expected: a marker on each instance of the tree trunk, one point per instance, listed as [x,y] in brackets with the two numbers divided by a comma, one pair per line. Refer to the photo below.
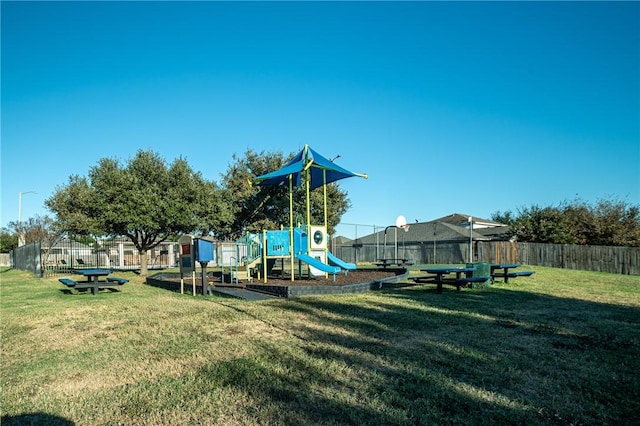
[143,263]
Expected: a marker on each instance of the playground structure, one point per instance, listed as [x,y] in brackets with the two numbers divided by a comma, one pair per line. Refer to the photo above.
[304,244]
[303,247]
[274,245]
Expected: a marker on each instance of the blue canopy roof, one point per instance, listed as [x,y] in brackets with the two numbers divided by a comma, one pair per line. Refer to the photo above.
[317,165]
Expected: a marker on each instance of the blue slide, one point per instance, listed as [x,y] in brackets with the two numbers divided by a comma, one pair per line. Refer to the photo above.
[317,264]
[339,262]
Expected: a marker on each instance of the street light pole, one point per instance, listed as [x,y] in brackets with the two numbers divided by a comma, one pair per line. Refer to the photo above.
[20,236]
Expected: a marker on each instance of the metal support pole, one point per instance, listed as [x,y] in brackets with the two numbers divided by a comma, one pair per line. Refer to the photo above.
[470,239]
[396,243]
[434,242]
[205,284]
[355,249]
[384,250]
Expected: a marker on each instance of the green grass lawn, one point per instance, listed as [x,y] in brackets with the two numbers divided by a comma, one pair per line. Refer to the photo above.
[560,347]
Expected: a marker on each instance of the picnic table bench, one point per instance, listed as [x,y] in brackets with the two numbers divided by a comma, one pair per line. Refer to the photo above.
[506,273]
[393,262]
[120,281]
[92,283]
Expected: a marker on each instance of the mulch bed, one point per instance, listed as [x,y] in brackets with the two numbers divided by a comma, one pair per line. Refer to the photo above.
[352,282]
[353,277]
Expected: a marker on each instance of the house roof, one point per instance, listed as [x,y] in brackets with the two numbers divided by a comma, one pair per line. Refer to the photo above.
[451,228]
[496,232]
[460,219]
[341,240]
[422,232]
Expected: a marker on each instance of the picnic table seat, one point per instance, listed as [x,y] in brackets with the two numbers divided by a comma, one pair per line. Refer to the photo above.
[68,282]
[463,281]
[120,281]
[515,274]
[425,279]
[457,282]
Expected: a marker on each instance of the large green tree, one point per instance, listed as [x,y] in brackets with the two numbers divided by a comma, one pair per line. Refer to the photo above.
[8,240]
[607,222]
[145,200]
[257,207]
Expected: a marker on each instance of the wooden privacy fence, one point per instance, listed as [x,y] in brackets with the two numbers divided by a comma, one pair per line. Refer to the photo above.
[613,259]
[497,252]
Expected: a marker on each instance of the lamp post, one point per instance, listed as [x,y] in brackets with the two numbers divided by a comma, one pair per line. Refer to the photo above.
[20,236]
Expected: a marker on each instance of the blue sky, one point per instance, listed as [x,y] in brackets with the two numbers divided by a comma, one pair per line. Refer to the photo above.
[447,106]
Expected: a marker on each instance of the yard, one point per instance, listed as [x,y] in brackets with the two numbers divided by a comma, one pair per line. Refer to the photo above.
[560,347]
